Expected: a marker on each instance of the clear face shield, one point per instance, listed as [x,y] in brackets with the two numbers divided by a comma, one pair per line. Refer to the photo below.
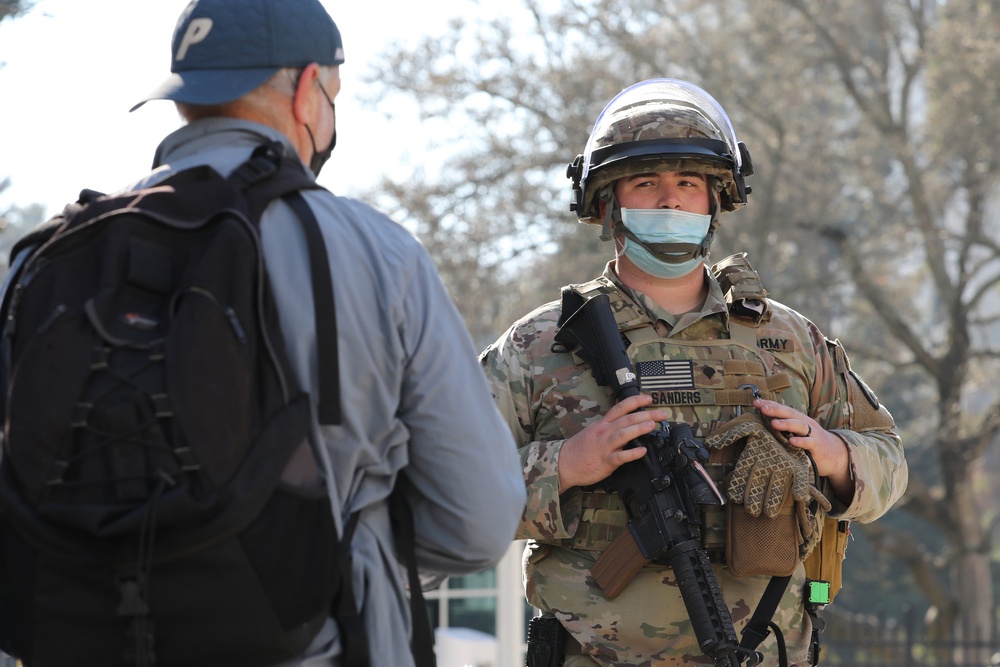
[662,117]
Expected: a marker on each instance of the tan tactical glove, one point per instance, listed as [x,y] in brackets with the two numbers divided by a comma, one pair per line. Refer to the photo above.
[766,471]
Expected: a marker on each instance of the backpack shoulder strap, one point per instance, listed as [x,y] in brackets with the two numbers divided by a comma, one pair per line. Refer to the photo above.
[267,175]
[264,177]
[345,609]
[401,513]
[324,310]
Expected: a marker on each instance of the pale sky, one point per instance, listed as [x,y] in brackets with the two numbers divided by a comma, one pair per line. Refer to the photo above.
[72,69]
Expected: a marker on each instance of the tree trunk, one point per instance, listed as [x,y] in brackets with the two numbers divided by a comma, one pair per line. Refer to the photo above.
[973,586]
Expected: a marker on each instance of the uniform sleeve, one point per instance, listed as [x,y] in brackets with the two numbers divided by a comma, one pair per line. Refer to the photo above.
[845,405]
[547,516]
[468,490]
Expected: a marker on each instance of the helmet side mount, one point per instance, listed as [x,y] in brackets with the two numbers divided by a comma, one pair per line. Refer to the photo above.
[574,172]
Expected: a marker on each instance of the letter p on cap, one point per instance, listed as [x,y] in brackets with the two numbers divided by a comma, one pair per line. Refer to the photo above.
[196,32]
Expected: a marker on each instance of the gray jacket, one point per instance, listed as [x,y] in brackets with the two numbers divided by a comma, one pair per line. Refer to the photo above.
[413,393]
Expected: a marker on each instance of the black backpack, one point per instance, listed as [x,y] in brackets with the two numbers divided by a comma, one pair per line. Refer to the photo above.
[160,502]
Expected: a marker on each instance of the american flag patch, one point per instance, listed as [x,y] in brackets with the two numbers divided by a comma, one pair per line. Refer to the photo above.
[665,374]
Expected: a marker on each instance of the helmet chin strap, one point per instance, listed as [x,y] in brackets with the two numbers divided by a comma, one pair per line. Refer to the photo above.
[612,212]
[714,208]
[671,253]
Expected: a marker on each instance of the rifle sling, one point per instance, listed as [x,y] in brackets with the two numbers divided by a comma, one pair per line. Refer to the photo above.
[760,625]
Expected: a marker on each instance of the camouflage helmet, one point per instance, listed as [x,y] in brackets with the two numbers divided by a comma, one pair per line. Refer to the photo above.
[660,125]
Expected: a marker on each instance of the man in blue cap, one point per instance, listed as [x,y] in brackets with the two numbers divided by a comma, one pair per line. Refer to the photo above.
[246,72]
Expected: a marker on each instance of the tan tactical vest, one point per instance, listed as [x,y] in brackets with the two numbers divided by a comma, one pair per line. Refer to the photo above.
[703,383]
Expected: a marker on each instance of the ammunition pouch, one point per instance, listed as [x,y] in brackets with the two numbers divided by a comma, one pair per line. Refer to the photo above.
[759,545]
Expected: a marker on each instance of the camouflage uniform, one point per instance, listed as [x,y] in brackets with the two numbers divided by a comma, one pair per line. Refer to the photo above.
[547,395]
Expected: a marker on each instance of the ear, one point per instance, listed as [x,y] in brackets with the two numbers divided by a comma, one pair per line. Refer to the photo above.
[304,101]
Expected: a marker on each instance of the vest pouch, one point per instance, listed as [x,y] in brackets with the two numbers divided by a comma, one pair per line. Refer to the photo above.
[758,545]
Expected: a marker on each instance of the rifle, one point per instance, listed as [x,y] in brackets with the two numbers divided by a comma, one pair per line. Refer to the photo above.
[660,491]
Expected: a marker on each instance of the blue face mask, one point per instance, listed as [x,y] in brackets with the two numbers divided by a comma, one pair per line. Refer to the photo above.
[663,225]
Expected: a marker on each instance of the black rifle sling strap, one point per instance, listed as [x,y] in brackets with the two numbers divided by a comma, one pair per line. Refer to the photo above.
[760,624]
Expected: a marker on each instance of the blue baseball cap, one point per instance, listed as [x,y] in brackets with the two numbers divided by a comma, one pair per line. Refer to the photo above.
[223,49]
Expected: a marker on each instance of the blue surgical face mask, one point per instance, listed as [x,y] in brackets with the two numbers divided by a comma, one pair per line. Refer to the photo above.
[663,225]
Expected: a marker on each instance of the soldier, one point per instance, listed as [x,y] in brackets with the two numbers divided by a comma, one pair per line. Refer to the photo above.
[796,438]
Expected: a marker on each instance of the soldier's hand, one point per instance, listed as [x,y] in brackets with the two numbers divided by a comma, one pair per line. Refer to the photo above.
[599,449]
[829,452]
